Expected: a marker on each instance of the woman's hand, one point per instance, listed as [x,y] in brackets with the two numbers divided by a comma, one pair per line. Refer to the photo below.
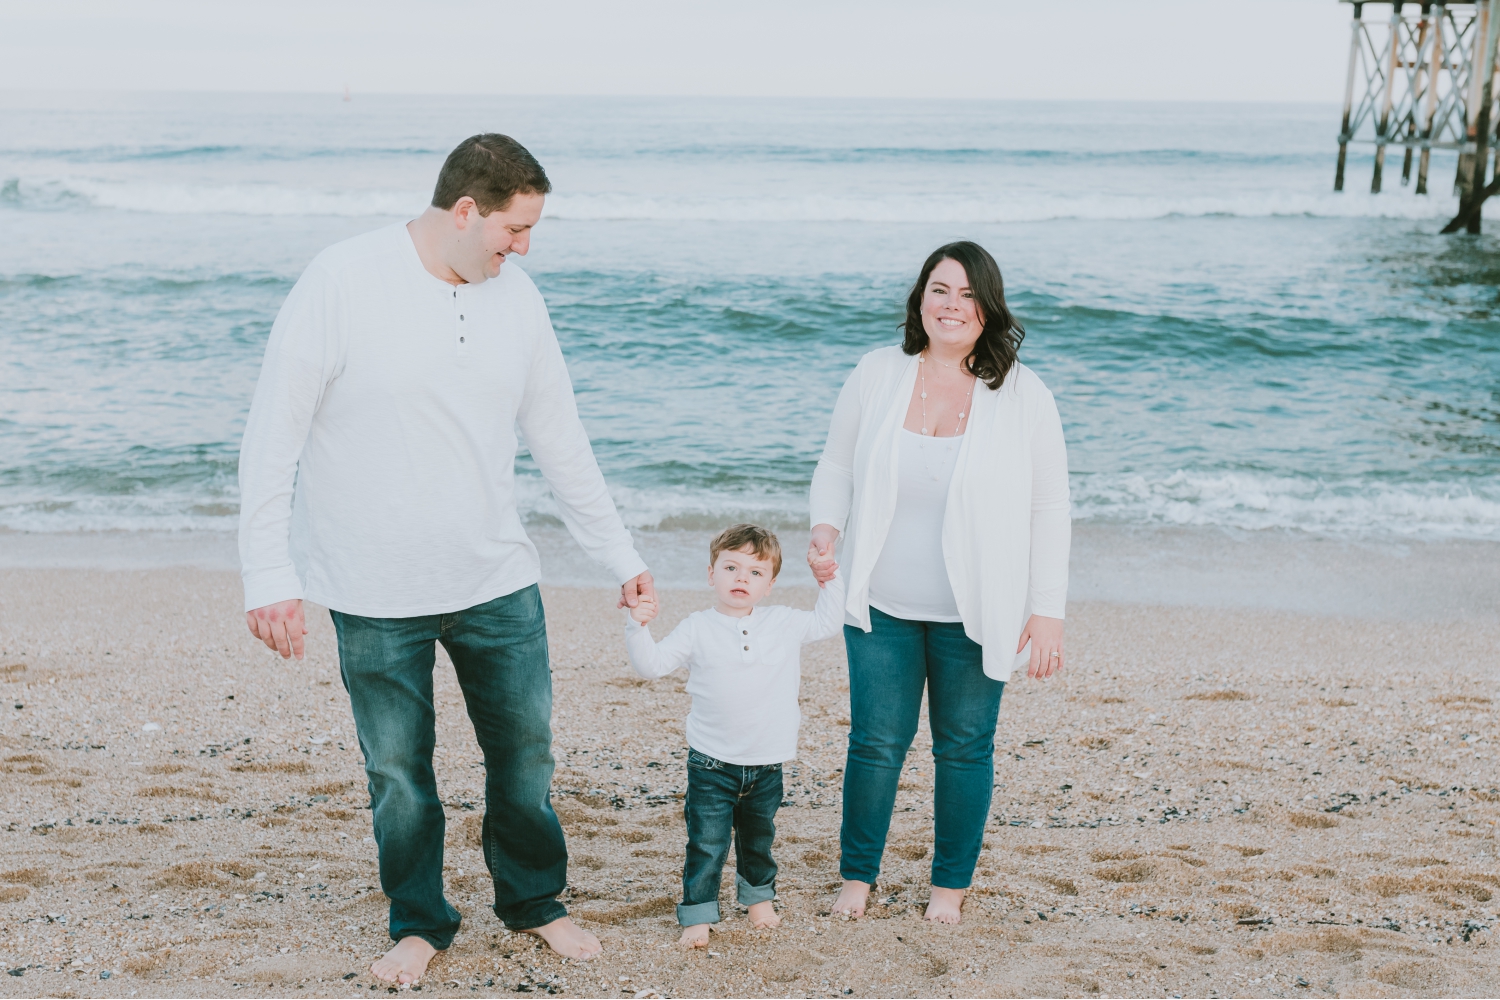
[1046,638]
[820,552]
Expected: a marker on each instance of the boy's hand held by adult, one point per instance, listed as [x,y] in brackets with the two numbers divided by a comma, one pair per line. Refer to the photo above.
[280,626]
[820,553]
[1046,638]
[644,611]
[636,588]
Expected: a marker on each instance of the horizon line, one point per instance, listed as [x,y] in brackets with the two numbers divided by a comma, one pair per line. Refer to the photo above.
[339,92]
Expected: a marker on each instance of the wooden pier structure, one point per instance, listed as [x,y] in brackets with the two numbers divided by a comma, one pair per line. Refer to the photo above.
[1422,77]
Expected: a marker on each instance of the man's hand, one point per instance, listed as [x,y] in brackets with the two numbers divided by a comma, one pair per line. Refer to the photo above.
[1046,638]
[820,552]
[636,588]
[280,626]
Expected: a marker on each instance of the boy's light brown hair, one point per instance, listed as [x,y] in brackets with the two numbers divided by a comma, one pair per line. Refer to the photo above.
[735,537]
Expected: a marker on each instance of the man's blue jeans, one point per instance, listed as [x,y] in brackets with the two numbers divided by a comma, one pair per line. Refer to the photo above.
[723,800]
[888,668]
[499,651]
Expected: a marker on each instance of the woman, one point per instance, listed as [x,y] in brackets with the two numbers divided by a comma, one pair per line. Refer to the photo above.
[945,469]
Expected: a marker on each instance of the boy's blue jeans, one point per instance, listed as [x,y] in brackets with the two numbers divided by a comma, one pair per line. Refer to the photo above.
[723,800]
[888,668]
[499,651]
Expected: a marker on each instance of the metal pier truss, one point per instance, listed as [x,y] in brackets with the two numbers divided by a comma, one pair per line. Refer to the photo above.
[1422,77]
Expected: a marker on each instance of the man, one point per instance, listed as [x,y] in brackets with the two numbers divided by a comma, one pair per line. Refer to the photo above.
[377,478]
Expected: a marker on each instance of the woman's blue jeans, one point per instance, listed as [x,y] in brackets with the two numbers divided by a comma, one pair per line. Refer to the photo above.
[499,651]
[888,669]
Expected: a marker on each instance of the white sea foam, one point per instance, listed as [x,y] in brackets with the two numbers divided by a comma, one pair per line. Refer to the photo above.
[198,199]
[136,512]
[1346,509]
[996,208]
[1335,508]
[1001,206]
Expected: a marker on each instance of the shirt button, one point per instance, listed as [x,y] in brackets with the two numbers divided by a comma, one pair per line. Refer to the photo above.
[745,632]
[747,649]
[460,315]
[460,340]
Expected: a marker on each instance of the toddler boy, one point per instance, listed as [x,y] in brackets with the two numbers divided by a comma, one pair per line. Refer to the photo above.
[744,669]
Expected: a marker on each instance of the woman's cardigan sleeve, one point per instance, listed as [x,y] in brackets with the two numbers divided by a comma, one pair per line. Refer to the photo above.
[833,481]
[1051,519]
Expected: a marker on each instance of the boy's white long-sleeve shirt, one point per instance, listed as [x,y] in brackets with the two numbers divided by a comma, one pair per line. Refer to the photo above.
[377,474]
[743,674]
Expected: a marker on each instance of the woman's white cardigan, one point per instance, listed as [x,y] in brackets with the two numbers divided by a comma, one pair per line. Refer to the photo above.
[1007,528]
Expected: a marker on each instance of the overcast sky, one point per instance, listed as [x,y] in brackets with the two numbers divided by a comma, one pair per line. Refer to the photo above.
[1270,50]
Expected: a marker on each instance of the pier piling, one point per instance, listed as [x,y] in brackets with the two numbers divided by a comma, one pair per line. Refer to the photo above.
[1424,79]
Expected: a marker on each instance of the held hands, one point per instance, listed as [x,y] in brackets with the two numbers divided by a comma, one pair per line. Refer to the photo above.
[636,589]
[644,611]
[820,553]
[1046,638]
[280,626]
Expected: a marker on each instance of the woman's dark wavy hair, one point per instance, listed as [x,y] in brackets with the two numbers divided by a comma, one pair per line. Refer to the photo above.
[995,351]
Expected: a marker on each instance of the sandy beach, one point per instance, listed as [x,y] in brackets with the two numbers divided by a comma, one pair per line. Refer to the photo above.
[1211,802]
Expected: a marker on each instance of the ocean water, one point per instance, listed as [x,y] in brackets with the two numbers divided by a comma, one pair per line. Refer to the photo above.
[1231,344]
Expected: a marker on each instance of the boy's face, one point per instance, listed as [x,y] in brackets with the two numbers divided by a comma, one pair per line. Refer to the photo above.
[740,578]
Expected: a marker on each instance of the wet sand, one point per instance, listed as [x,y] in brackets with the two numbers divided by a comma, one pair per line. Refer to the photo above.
[1210,802]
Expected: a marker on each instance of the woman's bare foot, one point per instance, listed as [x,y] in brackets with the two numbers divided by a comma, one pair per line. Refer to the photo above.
[946,906]
[405,963]
[568,939]
[763,915]
[695,936]
[852,898]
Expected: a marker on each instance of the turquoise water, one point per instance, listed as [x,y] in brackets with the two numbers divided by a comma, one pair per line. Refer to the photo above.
[1230,343]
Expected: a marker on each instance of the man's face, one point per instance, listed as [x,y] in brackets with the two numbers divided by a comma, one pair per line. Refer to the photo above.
[485,240]
[740,578]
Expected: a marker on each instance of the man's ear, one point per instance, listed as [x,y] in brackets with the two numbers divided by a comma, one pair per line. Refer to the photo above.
[464,212]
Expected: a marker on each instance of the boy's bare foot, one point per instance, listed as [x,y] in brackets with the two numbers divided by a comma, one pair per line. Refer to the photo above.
[946,906]
[568,939]
[852,899]
[763,915]
[695,936]
[405,963]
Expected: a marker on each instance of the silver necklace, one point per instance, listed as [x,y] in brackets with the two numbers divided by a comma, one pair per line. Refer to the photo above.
[922,374]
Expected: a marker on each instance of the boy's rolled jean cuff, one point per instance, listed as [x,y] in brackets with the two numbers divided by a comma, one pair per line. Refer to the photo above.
[692,914]
[749,895]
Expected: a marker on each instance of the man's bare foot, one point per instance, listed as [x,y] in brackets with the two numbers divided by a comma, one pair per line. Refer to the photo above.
[852,899]
[568,939]
[763,915]
[946,906]
[695,936]
[405,963]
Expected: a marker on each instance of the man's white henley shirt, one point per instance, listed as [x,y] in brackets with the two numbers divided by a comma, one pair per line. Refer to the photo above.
[743,674]
[377,473]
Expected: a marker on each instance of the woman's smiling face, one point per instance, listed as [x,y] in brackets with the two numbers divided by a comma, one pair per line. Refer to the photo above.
[950,316]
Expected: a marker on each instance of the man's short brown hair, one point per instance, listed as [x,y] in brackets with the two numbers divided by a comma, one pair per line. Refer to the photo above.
[490,168]
[735,537]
